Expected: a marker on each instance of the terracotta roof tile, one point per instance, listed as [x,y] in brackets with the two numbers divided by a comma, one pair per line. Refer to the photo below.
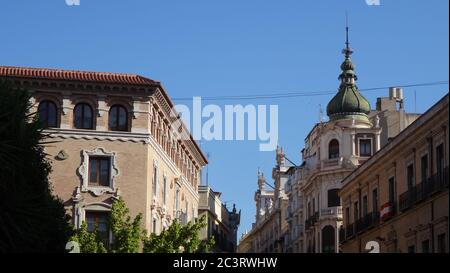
[74,75]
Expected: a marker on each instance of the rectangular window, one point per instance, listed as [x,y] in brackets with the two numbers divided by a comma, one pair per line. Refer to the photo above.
[375,200]
[426,246]
[410,176]
[441,243]
[98,219]
[424,167]
[333,198]
[365,206]
[99,171]
[355,211]
[411,249]
[155,181]
[365,147]
[347,215]
[165,191]
[391,190]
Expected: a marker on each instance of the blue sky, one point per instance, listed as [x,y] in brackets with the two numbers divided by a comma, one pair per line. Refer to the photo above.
[240,47]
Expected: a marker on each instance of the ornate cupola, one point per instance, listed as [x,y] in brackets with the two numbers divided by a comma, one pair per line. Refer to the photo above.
[348,103]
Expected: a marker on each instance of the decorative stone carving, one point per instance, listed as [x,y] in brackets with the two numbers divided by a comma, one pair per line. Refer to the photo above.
[117,194]
[62,155]
[83,171]
[154,204]
[377,121]
[77,197]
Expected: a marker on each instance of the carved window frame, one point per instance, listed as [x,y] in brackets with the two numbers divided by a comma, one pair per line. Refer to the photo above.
[83,171]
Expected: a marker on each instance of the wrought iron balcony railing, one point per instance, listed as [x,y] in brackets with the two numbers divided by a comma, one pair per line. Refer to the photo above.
[424,190]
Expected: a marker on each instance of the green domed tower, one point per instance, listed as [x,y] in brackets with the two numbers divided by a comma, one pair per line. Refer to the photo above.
[348,103]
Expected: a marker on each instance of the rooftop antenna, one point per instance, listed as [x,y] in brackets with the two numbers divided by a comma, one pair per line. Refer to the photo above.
[415,101]
[347,51]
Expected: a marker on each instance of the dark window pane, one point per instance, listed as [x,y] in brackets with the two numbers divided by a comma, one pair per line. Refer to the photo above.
[78,116]
[104,172]
[47,114]
[391,189]
[83,116]
[411,249]
[43,112]
[375,200]
[410,176]
[333,198]
[93,171]
[441,247]
[356,211]
[365,147]
[87,119]
[118,119]
[51,115]
[365,206]
[113,118]
[122,118]
[424,167]
[426,246]
[333,149]
[347,215]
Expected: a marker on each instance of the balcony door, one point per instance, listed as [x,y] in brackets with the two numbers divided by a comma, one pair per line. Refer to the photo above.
[328,239]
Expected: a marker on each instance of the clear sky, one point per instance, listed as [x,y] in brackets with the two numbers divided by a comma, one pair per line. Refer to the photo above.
[240,47]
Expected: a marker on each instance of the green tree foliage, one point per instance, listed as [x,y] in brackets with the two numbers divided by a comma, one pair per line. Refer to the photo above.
[89,242]
[127,233]
[179,239]
[31,218]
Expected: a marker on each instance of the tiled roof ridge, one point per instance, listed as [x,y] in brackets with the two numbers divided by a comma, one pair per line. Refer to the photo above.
[74,75]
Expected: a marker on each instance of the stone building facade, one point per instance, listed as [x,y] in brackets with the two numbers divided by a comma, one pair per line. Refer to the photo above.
[111,137]
[268,232]
[222,224]
[333,150]
[398,201]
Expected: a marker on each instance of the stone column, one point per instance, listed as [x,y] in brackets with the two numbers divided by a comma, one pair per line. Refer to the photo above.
[377,141]
[102,113]
[353,138]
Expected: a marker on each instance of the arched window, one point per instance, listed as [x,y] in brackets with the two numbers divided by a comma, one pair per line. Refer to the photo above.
[83,116]
[333,149]
[48,114]
[118,118]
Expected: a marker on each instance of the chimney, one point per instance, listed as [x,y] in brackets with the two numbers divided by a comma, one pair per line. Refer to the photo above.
[396,93]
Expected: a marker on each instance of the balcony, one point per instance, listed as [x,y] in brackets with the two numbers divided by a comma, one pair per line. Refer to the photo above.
[424,190]
[311,220]
[335,212]
[367,222]
[327,163]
